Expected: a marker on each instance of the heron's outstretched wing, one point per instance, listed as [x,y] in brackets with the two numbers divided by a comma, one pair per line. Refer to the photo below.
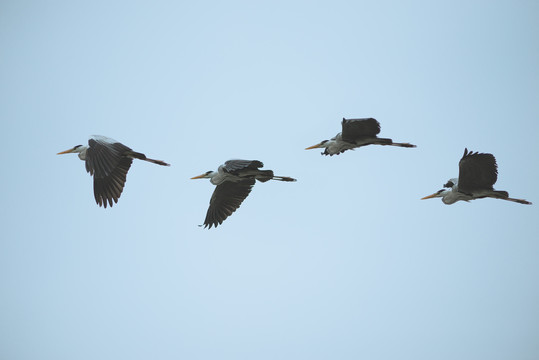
[102,157]
[108,164]
[353,129]
[477,171]
[110,188]
[226,198]
[234,165]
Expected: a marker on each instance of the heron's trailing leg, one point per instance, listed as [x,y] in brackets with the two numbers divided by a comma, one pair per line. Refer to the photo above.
[141,156]
[520,201]
[283,178]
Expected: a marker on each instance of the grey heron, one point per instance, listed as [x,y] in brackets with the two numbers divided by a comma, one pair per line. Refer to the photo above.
[108,161]
[478,173]
[235,180]
[356,133]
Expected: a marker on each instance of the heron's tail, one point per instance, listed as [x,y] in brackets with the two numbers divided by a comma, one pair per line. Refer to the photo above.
[386,141]
[141,156]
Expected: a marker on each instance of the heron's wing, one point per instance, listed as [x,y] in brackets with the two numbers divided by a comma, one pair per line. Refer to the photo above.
[226,198]
[109,188]
[107,163]
[102,156]
[352,129]
[235,165]
[477,171]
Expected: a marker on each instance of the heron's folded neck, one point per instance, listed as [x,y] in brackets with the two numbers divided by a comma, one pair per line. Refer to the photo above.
[82,152]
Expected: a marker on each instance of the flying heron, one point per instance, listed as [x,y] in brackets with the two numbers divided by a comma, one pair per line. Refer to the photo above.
[478,173]
[108,161]
[356,133]
[234,180]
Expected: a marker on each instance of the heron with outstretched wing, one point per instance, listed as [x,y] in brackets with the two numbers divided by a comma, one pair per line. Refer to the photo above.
[108,161]
[478,173]
[355,133]
[234,181]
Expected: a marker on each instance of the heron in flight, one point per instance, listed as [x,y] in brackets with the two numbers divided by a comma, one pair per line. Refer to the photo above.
[478,173]
[356,133]
[234,180]
[108,161]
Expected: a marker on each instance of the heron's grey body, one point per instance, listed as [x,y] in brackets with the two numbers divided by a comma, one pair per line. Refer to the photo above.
[356,133]
[234,181]
[108,161]
[478,172]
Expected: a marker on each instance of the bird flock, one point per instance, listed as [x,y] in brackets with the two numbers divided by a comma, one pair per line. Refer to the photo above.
[108,161]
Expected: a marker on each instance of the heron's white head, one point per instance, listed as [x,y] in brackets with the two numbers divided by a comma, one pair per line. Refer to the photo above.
[322,144]
[74,149]
[332,146]
[206,175]
[80,149]
[440,193]
[449,194]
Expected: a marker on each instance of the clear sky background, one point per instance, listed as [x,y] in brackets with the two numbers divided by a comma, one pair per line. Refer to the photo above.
[346,263]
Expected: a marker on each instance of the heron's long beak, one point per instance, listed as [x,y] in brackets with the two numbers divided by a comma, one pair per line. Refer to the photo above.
[430,196]
[314,146]
[199,176]
[65,152]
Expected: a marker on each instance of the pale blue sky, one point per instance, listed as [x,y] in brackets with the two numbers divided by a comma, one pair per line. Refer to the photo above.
[347,263]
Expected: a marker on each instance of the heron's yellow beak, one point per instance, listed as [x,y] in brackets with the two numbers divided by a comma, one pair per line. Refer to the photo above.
[430,196]
[313,147]
[65,152]
[199,176]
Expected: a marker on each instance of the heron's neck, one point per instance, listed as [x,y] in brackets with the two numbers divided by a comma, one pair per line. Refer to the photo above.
[333,146]
[333,141]
[450,196]
[216,177]
[82,152]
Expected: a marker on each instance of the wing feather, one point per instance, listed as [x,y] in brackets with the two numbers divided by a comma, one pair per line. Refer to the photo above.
[234,165]
[225,200]
[477,171]
[354,129]
[106,161]
[102,157]
[110,188]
